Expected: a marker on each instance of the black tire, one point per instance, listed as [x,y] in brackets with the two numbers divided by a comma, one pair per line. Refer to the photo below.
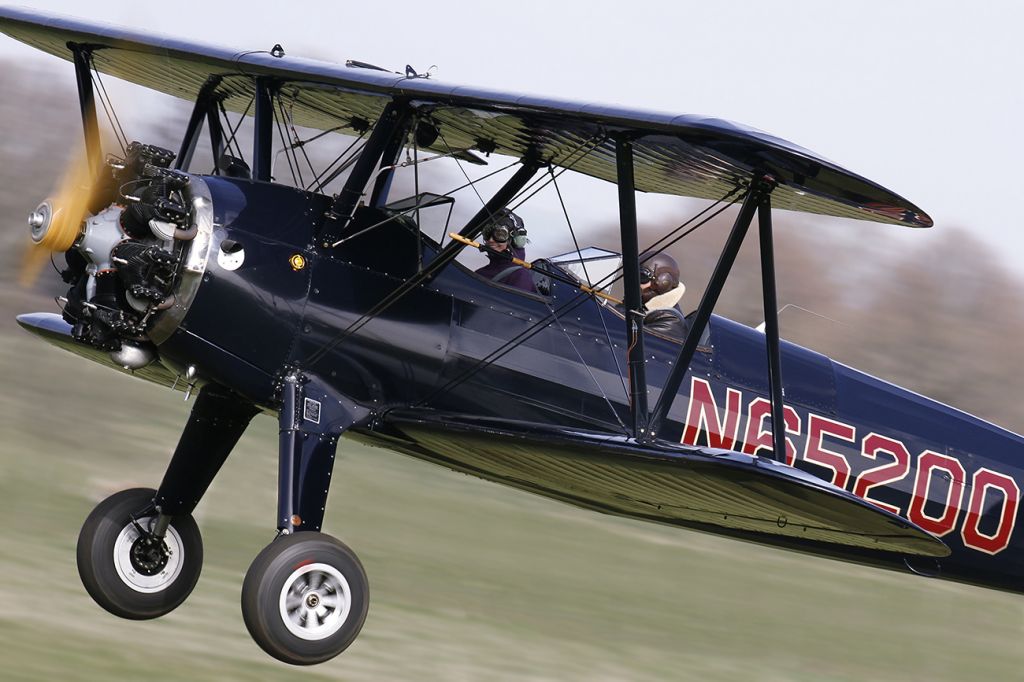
[109,567]
[298,577]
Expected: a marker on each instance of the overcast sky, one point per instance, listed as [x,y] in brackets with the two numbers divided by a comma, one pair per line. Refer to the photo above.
[922,97]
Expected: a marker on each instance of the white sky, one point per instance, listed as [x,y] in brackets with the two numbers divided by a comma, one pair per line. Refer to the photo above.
[923,97]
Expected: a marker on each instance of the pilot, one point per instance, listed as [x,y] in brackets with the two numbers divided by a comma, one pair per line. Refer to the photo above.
[506,233]
[661,291]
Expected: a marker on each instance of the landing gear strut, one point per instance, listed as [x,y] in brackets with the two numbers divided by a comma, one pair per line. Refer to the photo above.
[305,596]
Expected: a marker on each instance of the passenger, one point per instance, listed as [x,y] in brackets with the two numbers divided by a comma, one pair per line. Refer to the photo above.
[661,291]
[505,233]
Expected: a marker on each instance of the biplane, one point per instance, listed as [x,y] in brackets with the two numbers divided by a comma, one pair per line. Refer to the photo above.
[336,313]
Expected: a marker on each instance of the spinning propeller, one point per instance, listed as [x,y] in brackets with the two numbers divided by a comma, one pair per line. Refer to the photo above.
[57,222]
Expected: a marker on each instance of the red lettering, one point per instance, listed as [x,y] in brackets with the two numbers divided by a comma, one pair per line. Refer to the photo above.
[759,438]
[927,463]
[984,481]
[702,415]
[815,451]
[896,470]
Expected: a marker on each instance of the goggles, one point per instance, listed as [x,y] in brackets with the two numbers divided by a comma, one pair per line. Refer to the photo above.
[500,234]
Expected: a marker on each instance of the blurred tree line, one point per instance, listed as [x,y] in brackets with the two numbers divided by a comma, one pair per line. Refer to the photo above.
[942,318]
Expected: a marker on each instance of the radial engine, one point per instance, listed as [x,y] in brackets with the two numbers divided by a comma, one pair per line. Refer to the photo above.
[124,259]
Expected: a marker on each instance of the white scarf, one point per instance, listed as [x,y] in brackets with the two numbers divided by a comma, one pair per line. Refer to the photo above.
[668,299]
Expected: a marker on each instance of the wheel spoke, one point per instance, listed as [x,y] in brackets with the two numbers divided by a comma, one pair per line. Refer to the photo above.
[315,601]
[293,602]
[311,619]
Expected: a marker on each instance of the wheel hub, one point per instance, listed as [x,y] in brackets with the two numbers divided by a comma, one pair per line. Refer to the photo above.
[145,563]
[149,555]
[315,601]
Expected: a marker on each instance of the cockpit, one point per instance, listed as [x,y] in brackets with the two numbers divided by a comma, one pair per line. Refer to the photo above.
[591,269]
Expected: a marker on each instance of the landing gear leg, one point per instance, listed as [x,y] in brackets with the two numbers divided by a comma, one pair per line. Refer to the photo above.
[305,596]
[140,552]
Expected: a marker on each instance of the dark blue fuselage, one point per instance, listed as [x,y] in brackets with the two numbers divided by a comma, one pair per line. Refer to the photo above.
[462,344]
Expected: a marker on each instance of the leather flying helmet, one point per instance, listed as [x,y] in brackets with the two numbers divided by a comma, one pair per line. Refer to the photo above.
[662,271]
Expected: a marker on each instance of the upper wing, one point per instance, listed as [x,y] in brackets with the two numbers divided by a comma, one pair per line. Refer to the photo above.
[674,154]
[716,490]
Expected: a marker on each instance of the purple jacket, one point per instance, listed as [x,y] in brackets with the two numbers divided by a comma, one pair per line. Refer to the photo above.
[520,278]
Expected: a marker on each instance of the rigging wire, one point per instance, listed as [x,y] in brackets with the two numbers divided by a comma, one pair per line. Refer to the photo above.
[300,142]
[418,205]
[568,337]
[320,181]
[513,204]
[572,232]
[115,123]
[458,162]
[564,165]
[572,304]
[368,316]
[579,299]
[579,253]
[296,142]
[234,130]
[661,245]
[296,174]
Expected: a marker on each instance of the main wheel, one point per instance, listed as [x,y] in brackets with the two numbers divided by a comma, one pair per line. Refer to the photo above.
[305,598]
[127,571]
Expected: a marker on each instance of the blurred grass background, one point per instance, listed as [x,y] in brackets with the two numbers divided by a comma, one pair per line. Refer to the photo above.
[469,580]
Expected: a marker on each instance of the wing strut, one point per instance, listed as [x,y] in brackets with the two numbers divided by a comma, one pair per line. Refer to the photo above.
[263,138]
[393,119]
[756,198]
[87,102]
[631,282]
[388,160]
[205,108]
[771,326]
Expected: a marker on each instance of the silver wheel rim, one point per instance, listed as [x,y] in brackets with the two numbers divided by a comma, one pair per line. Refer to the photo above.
[315,601]
[147,584]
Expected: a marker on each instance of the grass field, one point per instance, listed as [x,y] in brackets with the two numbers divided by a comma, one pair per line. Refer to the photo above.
[469,580]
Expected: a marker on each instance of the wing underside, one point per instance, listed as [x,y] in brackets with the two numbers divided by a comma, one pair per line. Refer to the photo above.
[53,329]
[674,154]
[676,485]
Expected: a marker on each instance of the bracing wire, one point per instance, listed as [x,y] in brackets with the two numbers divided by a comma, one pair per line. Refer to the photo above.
[296,142]
[574,302]
[321,181]
[590,371]
[419,205]
[296,174]
[458,162]
[108,109]
[564,165]
[234,130]
[387,301]
[579,254]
